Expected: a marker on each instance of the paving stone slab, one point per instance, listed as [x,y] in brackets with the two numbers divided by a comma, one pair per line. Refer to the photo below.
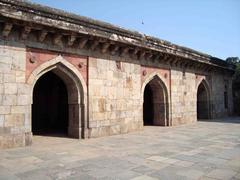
[204,150]
[221,174]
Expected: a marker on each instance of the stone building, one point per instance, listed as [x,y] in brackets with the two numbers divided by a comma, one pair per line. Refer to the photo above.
[60,72]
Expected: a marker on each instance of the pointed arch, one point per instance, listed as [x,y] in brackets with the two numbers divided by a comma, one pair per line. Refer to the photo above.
[203,100]
[155,101]
[77,92]
[58,62]
[152,76]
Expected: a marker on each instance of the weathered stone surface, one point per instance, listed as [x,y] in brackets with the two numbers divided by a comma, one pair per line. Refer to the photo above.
[28,139]
[138,155]
[183,97]
[4,68]
[14,120]
[20,76]
[10,88]
[106,70]
[23,89]
[116,100]
[23,99]
[4,109]
[9,78]
[19,109]
[5,60]
[9,100]
[1,120]
[1,81]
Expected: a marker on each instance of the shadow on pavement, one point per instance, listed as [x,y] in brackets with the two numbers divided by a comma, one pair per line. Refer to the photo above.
[233,119]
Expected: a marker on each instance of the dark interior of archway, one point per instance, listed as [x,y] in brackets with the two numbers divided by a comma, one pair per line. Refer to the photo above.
[50,106]
[148,106]
[202,103]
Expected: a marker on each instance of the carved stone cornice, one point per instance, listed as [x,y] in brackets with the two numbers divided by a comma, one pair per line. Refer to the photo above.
[66,29]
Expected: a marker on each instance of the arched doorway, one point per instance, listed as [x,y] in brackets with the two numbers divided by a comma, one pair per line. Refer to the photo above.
[203,107]
[50,106]
[72,84]
[155,106]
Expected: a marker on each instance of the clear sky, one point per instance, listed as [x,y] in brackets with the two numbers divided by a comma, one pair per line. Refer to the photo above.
[209,26]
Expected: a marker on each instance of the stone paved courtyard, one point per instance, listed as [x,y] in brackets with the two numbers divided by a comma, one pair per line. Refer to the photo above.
[204,150]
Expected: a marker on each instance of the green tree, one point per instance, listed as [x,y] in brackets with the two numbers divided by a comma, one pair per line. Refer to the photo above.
[233,60]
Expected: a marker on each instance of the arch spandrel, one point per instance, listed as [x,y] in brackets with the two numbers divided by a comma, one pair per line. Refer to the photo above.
[150,77]
[77,89]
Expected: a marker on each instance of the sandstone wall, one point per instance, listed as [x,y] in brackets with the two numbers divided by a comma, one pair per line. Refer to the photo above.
[184,87]
[114,93]
[115,104]
[15,127]
[183,97]
[221,83]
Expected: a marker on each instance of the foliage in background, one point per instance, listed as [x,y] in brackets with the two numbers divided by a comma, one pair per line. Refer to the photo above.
[236,83]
